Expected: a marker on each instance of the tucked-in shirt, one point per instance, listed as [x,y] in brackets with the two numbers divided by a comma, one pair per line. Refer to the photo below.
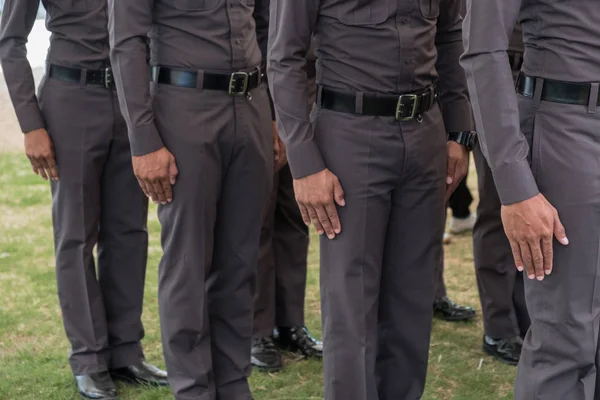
[79,39]
[207,35]
[561,43]
[372,46]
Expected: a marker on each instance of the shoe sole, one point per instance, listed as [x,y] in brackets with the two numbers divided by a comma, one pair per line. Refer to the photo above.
[267,369]
[492,353]
[133,381]
[455,319]
[300,352]
[95,398]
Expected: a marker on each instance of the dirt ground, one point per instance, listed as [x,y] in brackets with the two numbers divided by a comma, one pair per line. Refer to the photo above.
[11,138]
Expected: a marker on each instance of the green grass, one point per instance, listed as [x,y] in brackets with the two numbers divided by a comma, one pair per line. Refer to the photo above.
[33,348]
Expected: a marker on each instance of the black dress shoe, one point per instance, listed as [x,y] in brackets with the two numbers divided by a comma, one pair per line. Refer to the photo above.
[506,350]
[265,356]
[298,339]
[446,309]
[96,386]
[141,373]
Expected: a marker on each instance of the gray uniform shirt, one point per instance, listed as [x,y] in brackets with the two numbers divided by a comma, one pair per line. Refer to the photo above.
[561,41]
[380,46]
[79,39]
[208,35]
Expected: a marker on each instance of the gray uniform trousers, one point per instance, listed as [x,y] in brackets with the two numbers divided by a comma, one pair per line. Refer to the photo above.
[377,275]
[210,236]
[500,284]
[284,240]
[560,358]
[96,201]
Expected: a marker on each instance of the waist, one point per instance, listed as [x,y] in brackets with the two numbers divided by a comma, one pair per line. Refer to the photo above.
[83,76]
[403,107]
[584,94]
[236,83]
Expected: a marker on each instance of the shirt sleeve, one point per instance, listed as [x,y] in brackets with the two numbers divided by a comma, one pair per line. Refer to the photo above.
[452,84]
[129,23]
[16,24]
[488,27]
[290,31]
[261,18]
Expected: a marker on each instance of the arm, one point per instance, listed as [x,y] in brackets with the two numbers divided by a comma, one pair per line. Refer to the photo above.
[452,86]
[529,220]
[452,83]
[129,23]
[488,27]
[261,18]
[17,22]
[290,32]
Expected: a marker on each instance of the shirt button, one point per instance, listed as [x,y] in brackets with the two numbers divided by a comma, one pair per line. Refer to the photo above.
[404,20]
[408,60]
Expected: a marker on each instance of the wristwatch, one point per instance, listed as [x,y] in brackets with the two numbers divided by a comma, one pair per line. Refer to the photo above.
[465,138]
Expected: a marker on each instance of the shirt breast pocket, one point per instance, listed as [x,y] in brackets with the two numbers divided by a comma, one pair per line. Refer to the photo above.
[362,12]
[195,5]
[429,8]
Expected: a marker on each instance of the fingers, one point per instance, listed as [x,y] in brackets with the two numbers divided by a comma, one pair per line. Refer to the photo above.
[338,193]
[305,215]
[173,172]
[158,187]
[527,259]
[35,165]
[143,187]
[46,164]
[559,230]
[53,169]
[314,218]
[516,252]
[538,259]
[547,253]
[450,170]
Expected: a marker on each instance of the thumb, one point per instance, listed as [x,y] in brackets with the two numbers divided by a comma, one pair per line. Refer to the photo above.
[173,172]
[338,193]
[450,171]
[559,230]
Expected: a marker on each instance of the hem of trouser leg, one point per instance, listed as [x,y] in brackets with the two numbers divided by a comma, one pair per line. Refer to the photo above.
[88,364]
[236,391]
[206,396]
[126,355]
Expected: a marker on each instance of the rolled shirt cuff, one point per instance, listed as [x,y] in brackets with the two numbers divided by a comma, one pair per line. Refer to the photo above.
[515,183]
[305,159]
[145,140]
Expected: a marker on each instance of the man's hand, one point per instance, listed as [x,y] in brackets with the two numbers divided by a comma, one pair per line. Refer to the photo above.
[529,226]
[156,173]
[40,151]
[315,195]
[458,159]
[278,149]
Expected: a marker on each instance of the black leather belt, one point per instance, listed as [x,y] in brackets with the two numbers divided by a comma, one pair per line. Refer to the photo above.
[556,91]
[404,107]
[516,60]
[236,84]
[103,77]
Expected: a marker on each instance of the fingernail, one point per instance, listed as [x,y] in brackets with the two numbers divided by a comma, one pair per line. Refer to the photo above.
[343,202]
[170,200]
[163,202]
[548,271]
[337,231]
[564,241]
[540,278]
[449,180]
[532,276]
[519,268]
[330,236]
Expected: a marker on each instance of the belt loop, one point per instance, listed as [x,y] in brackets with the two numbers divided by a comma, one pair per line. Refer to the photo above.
[154,72]
[537,92]
[593,101]
[200,79]
[358,103]
[83,77]
[319,95]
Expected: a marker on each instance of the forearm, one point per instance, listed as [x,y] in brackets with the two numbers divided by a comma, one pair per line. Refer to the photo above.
[129,23]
